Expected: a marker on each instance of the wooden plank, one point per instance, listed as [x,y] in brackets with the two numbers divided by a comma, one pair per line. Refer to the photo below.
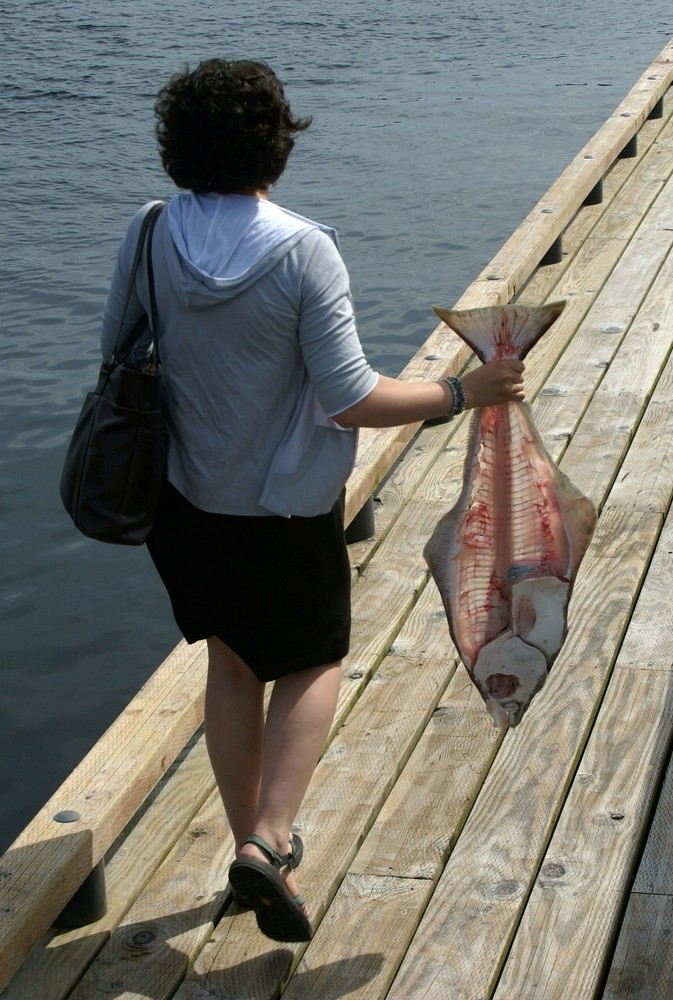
[572,916]
[60,959]
[422,817]
[574,910]
[49,860]
[171,919]
[386,592]
[641,189]
[607,426]
[463,938]
[596,347]
[643,966]
[648,643]
[391,496]
[644,479]
[352,960]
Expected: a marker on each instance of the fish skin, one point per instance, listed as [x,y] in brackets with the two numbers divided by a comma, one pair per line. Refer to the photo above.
[505,557]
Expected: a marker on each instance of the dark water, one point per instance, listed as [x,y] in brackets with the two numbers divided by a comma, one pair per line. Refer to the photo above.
[437,126]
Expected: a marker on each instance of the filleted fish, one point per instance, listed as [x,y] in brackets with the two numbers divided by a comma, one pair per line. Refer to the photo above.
[505,557]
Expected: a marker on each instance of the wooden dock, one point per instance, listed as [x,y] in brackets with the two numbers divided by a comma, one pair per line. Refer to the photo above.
[444,860]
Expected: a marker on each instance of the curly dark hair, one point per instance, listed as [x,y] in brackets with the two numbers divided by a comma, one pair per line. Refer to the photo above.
[225,127]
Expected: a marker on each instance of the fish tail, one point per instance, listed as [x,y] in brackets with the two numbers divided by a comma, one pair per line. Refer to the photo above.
[501,332]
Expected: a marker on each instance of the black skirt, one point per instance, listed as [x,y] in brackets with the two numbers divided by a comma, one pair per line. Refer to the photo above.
[276,590]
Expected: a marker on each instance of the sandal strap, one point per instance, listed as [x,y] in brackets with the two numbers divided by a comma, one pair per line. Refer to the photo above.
[289,860]
[297,852]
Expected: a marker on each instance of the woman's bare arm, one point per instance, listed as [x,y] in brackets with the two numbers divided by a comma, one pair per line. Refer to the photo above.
[393,401]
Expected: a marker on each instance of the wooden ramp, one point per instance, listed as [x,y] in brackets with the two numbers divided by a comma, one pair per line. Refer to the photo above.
[444,860]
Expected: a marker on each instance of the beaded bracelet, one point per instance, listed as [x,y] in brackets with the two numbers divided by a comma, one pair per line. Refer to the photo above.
[456,387]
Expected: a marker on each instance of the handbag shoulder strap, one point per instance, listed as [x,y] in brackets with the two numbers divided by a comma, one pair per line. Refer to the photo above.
[154,316]
[147,228]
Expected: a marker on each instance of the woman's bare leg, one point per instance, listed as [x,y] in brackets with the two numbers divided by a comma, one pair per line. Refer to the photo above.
[234,724]
[263,769]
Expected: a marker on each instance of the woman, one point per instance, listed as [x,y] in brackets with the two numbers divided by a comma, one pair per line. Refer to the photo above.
[265,385]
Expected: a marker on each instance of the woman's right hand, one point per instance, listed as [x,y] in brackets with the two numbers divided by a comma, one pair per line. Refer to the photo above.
[494,382]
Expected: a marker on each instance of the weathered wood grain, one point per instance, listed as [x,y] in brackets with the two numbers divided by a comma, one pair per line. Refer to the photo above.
[648,643]
[644,479]
[50,860]
[386,592]
[573,912]
[61,958]
[642,967]
[615,409]
[579,896]
[425,811]
[148,953]
[373,910]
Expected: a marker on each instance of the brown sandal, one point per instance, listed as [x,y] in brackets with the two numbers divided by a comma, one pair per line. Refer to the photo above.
[259,884]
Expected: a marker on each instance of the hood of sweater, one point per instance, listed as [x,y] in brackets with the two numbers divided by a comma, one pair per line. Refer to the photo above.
[224,243]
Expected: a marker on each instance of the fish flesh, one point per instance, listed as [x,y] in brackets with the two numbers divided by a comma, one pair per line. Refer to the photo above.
[505,557]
